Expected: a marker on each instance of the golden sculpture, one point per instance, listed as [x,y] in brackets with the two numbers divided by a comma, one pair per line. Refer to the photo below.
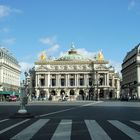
[43,56]
[100,56]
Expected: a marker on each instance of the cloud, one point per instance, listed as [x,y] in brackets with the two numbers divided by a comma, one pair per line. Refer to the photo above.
[116,65]
[25,66]
[86,53]
[6,11]
[47,41]
[8,41]
[51,43]
[52,49]
[131,4]
[4,30]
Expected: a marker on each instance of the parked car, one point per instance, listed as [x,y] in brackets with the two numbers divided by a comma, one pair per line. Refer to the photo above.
[12,98]
[124,98]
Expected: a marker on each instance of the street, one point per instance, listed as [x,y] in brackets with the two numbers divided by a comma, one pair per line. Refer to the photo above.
[80,120]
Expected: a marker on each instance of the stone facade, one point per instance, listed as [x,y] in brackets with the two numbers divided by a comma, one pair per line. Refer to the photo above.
[131,73]
[9,73]
[75,77]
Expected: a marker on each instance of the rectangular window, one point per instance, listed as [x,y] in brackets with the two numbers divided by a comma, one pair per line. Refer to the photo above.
[115,83]
[62,82]
[72,82]
[110,82]
[42,82]
[90,81]
[81,82]
[53,82]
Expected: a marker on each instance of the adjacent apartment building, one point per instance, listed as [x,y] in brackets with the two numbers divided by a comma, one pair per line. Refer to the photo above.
[131,73]
[9,74]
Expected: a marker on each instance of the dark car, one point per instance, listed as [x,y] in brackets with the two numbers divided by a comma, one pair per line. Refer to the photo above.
[124,98]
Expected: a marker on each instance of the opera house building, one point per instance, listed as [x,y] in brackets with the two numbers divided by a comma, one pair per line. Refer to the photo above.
[74,77]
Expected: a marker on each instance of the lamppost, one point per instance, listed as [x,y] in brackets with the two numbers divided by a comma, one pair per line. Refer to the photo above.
[97,80]
[22,112]
[23,100]
[87,93]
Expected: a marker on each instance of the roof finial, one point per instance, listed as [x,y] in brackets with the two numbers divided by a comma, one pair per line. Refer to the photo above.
[72,46]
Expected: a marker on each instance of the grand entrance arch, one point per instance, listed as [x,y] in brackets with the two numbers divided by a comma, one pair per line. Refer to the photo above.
[91,94]
[53,93]
[42,95]
[62,93]
[82,94]
[72,92]
[101,93]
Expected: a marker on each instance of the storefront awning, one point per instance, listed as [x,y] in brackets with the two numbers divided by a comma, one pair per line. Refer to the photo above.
[9,92]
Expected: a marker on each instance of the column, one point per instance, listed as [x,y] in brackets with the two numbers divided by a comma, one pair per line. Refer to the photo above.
[113,81]
[85,80]
[37,80]
[74,79]
[37,93]
[118,88]
[107,79]
[138,92]
[68,80]
[46,80]
[57,80]
[77,79]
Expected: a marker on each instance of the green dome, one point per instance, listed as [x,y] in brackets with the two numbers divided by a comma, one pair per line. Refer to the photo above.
[72,55]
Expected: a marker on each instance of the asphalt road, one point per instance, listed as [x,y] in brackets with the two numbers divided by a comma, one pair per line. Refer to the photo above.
[72,120]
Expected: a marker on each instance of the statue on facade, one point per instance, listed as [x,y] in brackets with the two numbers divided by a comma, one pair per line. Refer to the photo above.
[43,56]
[100,56]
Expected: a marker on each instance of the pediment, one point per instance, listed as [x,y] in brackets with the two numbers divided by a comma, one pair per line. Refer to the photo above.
[101,67]
[42,68]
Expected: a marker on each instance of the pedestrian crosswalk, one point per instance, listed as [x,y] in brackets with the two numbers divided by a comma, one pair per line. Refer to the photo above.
[96,131]
[64,129]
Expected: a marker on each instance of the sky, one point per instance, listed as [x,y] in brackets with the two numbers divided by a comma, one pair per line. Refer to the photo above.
[28,27]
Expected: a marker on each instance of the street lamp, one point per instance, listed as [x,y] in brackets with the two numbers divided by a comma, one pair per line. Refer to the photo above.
[31,72]
[24,98]
[23,102]
[22,112]
[87,93]
[97,80]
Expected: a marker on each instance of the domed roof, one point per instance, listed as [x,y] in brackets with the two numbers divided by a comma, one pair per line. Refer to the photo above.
[72,55]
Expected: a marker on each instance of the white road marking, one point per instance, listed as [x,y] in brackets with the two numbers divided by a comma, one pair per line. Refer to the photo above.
[95,130]
[4,120]
[92,103]
[132,133]
[8,128]
[60,111]
[63,131]
[136,122]
[29,132]
[57,112]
